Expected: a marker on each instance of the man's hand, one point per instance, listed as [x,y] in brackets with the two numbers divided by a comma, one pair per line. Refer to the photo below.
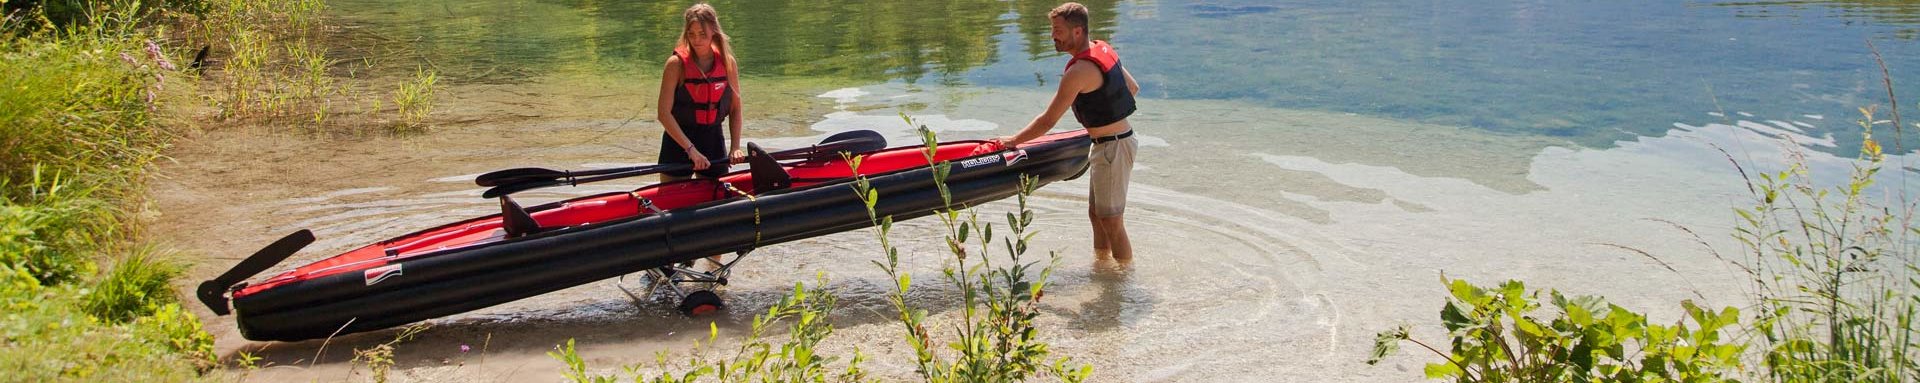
[1004,141]
[739,156]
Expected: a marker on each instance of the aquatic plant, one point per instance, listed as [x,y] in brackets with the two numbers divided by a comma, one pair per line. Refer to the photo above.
[415,100]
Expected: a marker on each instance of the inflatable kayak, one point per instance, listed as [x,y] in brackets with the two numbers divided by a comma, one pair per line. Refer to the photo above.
[523,252]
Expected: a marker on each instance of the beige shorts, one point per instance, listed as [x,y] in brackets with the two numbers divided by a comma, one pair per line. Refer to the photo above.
[1112,168]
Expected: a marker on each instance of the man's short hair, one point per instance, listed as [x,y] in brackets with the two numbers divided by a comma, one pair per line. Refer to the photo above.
[1073,13]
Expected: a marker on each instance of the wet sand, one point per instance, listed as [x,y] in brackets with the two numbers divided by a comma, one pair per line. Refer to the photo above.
[1271,244]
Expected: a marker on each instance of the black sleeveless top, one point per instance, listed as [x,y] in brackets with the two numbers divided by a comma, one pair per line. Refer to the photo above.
[1111,102]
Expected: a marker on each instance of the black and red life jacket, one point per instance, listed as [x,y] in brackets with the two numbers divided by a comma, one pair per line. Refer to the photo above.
[703,98]
[1112,101]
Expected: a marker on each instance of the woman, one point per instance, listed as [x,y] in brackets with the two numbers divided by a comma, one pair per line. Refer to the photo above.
[701,88]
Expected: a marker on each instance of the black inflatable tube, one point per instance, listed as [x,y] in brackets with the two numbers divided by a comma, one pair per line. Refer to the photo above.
[468,279]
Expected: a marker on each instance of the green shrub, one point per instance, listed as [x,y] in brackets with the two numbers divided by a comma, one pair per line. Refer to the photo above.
[137,285]
[1496,336]
[48,338]
[76,133]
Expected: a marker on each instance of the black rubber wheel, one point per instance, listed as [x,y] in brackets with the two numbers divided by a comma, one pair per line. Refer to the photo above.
[701,303]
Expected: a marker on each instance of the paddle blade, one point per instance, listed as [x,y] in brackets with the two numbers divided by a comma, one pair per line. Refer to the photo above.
[517,175]
[854,141]
[511,188]
[212,292]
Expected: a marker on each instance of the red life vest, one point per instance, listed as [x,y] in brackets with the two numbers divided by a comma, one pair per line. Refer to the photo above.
[1112,101]
[702,98]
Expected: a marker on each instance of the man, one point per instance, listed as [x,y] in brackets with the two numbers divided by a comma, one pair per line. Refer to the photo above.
[1101,95]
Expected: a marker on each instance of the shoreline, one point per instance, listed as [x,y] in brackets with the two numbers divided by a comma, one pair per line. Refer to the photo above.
[1322,229]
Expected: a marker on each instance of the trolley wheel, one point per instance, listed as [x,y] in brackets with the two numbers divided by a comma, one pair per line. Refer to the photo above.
[701,303]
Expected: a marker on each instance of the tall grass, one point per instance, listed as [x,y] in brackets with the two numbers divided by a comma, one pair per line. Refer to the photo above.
[415,100]
[271,72]
[1834,271]
[81,300]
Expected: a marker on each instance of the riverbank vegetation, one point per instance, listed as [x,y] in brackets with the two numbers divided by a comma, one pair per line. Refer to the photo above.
[86,91]
[94,91]
[1834,295]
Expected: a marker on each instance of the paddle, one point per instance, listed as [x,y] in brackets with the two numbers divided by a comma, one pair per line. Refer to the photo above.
[213,292]
[522,179]
[854,141]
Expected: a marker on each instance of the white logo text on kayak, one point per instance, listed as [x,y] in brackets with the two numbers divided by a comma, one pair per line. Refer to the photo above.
[972,162]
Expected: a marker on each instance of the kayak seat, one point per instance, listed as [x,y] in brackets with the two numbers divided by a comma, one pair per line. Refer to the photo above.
[515,219]
[768,175]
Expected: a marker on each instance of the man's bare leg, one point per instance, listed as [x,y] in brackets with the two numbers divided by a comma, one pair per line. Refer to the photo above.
[1101,249]
[1115,230]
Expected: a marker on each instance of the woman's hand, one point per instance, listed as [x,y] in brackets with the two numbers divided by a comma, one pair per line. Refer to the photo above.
[739,156]
[699,160]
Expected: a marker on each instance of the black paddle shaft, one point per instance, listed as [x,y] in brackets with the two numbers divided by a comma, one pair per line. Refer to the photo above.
[858,141]
[522,179]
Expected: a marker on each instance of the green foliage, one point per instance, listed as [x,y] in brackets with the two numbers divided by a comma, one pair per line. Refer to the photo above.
[996,339]
[49,338]
[756,359]
[379,358]
[48,234]
[77,130]
[415,100]
[136,286]
[73,108]
[270,73]
[1834,273]
[71,13]
[1496,337]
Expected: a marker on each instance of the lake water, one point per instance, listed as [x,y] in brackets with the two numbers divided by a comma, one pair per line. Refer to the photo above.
[1307,169]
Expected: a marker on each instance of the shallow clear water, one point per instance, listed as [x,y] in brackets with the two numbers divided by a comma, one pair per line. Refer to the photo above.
[1592,72]
[1306,171]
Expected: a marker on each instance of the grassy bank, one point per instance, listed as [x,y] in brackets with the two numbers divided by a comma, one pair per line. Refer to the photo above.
[92,92]
[84,301]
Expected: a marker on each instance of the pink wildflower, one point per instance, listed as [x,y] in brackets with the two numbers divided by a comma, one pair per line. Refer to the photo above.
[153,52]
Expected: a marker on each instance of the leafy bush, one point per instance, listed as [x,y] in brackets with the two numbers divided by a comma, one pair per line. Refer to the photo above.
[1496,337]
[137,286]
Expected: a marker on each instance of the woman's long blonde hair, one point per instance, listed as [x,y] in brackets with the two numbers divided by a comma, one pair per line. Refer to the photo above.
[703,13]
